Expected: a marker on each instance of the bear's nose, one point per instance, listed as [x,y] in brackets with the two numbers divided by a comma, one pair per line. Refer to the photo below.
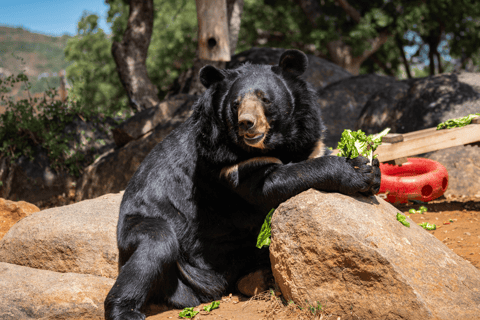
[246,122]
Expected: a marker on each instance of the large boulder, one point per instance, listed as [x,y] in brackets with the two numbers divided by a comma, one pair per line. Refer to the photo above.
[78,238]
[320,72]
[111,172]
[27,293]
[352,256]
[419,104]
[343,101]
[11,212]
[145,121]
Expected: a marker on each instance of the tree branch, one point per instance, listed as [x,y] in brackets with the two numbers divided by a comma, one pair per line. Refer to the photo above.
[311,9]
[351,11]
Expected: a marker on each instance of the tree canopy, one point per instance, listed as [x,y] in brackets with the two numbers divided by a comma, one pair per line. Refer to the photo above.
[392,37]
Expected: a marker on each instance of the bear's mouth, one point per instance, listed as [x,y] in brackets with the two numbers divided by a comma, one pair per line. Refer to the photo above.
[252,139]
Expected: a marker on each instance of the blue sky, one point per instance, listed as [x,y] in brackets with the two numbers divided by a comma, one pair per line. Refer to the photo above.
[52,17]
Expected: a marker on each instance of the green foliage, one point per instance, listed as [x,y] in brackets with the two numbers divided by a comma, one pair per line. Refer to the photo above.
[188,313]
[95,82]
[263,238]
[23,127]
[211,306]
[459,122]
[403,220]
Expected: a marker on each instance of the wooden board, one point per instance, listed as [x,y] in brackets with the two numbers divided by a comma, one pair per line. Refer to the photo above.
[427,140]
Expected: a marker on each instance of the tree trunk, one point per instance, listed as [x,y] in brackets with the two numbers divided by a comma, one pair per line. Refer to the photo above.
[130,56]
[189,81]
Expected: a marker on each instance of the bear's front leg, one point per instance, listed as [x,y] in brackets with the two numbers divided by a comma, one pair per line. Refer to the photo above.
[267,182]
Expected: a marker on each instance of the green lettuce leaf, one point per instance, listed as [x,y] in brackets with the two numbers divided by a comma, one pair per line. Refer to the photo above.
[402,219]
[187,313]
[263,238]
[211,306]
[355,143]
[459,122]
[427,226]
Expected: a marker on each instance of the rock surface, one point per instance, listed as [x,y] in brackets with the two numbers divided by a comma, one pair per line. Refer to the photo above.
[27,293]
[424,104]
[111,172]
[319,73]
[11,212]
[77,238]
[145,121]
[352,256]
[342,102]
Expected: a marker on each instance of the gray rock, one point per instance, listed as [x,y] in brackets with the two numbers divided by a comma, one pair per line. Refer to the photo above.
[111,172]
[27,293]
[427,102]
[352,256]
[78,238]
[342,102]
[145,121]
[319,73]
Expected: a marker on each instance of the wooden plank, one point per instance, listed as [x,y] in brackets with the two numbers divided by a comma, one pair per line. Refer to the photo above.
[213,36]
[427,140]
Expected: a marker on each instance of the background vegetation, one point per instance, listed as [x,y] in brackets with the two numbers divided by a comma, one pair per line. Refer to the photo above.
[424,37]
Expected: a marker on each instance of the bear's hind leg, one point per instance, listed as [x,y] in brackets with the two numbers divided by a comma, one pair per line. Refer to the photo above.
[147,272]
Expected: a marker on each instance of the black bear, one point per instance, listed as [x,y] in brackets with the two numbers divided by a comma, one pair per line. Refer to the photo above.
[191,214]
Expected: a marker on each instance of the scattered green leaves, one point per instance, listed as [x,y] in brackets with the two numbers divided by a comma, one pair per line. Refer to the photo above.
[458,122]
[211,306]
[188,313]
[420,210]
[403,220]
[355,143]
[427,226]
[263,238]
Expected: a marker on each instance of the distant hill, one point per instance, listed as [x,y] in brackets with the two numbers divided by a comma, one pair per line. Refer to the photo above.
[39,56]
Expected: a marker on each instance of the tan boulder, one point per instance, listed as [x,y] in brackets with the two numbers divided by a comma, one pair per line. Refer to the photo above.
[27,293]
[77,238]
[13,211]
[351,255]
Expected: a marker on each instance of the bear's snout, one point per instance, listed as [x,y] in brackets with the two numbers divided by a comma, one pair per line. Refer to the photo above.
[252,122]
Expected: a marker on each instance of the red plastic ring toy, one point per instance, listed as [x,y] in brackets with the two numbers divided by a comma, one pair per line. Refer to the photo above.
[418,179]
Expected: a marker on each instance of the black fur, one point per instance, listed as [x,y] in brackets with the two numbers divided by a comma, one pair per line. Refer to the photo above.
[191,214]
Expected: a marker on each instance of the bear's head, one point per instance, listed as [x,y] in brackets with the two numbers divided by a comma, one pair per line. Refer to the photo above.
[262,107]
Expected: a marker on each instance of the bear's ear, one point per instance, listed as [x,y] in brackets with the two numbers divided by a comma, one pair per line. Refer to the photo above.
[210,75]
[294,62]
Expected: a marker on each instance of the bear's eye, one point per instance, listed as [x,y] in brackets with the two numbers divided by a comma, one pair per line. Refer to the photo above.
[266,101]
[235,105]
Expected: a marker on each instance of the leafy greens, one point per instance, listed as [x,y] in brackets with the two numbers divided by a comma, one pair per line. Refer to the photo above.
[355,143]
[459,122]
[266,231]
